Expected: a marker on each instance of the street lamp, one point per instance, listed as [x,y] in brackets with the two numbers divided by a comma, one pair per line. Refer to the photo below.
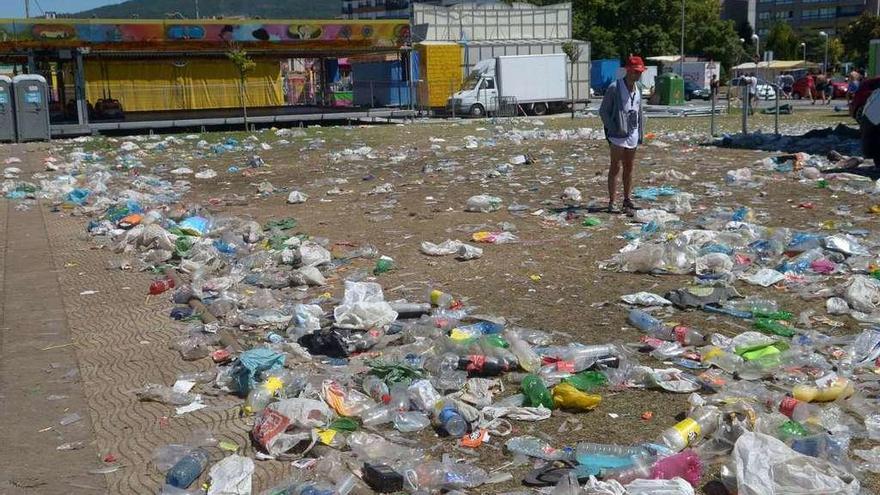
[825,64]
[804,47]
[757,40]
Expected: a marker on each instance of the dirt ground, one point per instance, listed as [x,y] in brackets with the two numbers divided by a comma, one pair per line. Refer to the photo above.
[550,280]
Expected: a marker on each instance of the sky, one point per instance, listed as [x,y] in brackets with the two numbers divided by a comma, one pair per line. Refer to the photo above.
[15,8]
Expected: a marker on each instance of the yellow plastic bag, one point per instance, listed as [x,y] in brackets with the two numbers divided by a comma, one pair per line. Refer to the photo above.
[565,396]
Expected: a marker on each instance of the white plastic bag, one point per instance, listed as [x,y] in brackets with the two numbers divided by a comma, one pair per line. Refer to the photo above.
[836,306]
[655,215]
[467,252]
[271,427]
[765,277]
[571,195]
[313,254]
[766,466]
[483,203]
[645,299]
[863,293]
[738,176]
[297,197]
[444,248]
[363,306]
[232,476]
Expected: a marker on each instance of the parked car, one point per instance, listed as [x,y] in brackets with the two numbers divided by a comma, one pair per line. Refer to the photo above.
[800,90]
[766,92]
[861,96]
[840,87]
[691,91]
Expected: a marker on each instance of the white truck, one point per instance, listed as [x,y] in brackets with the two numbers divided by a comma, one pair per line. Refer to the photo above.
[537,83]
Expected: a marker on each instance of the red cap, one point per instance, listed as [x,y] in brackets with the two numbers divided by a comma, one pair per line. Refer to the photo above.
[635,63]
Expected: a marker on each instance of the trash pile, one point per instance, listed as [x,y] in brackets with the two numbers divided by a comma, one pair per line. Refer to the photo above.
[843,138]
[348,388]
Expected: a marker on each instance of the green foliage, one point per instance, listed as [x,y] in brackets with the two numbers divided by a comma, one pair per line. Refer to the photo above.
[857,35]
[618,28]
[784,42]
[239,57]
[572,51]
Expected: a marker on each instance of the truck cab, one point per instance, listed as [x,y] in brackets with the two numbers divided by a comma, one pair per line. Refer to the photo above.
[479,92]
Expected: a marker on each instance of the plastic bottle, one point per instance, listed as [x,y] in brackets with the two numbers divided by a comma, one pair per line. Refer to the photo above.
[383,265]
[655,328]
[410,421]
[528,359]
[378,415]
[686,465]
[773,327]
[406,310]
[536,392]
[188,468]
[262,395]
[159,286]
[443,300]
[754,305]
[841,387]
[535,447]
[727,361]
[584,357]
[787,405]
[479,365]
[452,422]
[595,457]
[376,388]
[702,422]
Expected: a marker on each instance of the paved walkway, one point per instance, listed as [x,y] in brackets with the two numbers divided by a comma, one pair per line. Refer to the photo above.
[78,337]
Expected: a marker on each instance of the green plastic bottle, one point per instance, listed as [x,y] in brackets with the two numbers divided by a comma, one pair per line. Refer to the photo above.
[536,392]
[775,315]
[383,265]
[773,327]
[792,429]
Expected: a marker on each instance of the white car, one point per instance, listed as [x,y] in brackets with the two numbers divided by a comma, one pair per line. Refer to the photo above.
[766,92]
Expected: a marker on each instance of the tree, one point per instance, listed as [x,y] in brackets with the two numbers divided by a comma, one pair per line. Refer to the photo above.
[857,35]
[573,53]
[244,64]
[784,42]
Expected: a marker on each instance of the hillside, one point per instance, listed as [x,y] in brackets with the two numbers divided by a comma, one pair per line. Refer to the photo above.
[266,9]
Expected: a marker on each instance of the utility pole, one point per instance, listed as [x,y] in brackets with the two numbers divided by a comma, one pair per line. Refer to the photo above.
[681,61]
[197,9]
[27,8]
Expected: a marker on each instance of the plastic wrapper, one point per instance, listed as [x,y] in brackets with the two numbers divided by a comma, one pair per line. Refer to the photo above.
[363,306]
[765,465]
[862,293]
[283,425]
[445,248]
[645,299]
[312,254]
[467,252]
[483,203]
[231,476]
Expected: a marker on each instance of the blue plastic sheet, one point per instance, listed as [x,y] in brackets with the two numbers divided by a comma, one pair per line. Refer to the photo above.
[652,193]
[251,364]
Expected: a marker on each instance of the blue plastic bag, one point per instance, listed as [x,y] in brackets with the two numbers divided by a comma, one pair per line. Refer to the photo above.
[251,364]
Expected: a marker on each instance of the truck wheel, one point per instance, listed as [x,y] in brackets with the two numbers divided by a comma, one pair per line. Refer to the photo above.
[539,108]
[477,111]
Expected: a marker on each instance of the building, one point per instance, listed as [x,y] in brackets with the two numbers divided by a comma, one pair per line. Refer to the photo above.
[390,9]
[739,11]
[818,15]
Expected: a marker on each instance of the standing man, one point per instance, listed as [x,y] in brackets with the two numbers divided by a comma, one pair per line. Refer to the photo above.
[753,93]
[623,116]
[811,87]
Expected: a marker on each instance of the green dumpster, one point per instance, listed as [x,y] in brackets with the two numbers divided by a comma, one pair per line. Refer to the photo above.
[670,88]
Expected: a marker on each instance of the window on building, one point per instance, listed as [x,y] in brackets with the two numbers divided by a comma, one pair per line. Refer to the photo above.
[850,10]
[764,16]
[783,2]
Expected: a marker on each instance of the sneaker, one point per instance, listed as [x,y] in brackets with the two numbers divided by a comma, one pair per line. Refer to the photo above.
[629,208]
[613,210]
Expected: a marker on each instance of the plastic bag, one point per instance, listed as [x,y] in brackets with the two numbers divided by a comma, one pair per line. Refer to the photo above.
[863,293]
[645,299]
[494,237]
[251,364]
[346,402]
[196,226]
[467,252]
[313,254]
[444,248]
[571,195]
[271,427]
[483,203]
[766,466]
[654,215]
[297,197]
[836,306]
[363,306]
[765,277]
[738,177]
[232,476]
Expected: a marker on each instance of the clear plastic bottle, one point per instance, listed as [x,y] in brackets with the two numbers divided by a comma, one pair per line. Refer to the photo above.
[452,422]
[262,395]
[535,447]
[787,405]
[410,421]
[442,300]
[583,357]
[378,415]
[528,359]
[702,422]
[655,328]
[727,361]
[596,457]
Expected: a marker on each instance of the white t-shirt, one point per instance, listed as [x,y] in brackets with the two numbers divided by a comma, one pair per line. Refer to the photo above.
[753,85]
[631,103]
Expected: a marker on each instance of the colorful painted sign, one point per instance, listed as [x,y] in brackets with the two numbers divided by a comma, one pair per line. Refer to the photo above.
[104,34]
